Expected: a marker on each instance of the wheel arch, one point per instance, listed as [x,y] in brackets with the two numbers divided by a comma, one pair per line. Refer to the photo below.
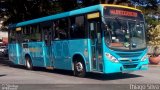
[80,57]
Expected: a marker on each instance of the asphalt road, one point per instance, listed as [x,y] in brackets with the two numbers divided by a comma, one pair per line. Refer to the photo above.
[18,78]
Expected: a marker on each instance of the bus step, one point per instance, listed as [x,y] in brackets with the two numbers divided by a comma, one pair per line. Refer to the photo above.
[50,68]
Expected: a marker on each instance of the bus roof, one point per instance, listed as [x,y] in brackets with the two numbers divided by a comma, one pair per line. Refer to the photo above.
[66,14]
[112,5]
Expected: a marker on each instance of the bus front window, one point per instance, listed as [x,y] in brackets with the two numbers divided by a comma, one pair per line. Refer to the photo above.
[137,35]
[124,34]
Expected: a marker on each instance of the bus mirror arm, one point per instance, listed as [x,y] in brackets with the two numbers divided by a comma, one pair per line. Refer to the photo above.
[107,28]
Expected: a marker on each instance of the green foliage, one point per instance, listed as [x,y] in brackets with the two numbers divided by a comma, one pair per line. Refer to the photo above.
[150,11]
[22,10]
[152,21]
[148,4]
[154,35]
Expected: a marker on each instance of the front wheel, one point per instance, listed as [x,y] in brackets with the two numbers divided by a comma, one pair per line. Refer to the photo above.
[79,69]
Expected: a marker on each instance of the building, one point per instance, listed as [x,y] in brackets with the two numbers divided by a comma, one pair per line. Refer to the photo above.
[4,37]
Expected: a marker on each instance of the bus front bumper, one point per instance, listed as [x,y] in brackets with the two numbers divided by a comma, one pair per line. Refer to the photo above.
[111,67]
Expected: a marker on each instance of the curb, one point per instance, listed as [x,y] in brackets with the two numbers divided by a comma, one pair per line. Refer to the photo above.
[152,65]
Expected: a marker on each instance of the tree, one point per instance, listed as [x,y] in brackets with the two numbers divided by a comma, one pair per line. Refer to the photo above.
[148,4]
[22,10]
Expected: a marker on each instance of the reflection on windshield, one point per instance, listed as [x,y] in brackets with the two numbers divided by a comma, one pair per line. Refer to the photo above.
[137,35]
[124,34]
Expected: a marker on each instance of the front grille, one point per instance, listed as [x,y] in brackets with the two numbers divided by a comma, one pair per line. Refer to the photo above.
[129,61]
[129,55]
[130,66]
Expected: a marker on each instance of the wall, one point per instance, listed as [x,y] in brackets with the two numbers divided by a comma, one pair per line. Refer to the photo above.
[3,34]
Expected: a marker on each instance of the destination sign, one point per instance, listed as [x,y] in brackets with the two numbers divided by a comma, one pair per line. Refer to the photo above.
[123,13]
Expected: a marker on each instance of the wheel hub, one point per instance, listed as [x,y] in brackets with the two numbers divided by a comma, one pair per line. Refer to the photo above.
[79,67]
[28,64]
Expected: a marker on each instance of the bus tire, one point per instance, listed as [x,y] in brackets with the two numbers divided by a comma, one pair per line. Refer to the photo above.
[79,68]
[28,63]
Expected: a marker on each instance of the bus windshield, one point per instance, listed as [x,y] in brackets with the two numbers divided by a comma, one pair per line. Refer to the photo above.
[124,34]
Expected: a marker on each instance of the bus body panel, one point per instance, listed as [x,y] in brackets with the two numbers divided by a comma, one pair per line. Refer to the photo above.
[36,52]
[14,53]
[61,55]
[63,52]
[48,56]
[80,47]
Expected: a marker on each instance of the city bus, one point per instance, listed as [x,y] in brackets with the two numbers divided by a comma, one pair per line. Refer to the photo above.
[102,38]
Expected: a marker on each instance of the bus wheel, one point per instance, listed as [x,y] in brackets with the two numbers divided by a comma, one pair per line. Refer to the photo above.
[29,63]
[79,69]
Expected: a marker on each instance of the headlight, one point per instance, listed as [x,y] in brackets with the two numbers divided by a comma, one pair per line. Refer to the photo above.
[111,58]
[144,57]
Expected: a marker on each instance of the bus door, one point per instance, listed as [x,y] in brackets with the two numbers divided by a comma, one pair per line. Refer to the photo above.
[48,51]
[96,45]
[19,49]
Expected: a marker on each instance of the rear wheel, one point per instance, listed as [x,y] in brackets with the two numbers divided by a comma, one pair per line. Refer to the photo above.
[79,69]
[29,63]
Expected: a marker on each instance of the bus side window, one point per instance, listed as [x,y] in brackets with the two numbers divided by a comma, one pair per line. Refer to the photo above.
[26,34]
[56,36]
[31,33]
[12,36]
[77,29]
[61,29]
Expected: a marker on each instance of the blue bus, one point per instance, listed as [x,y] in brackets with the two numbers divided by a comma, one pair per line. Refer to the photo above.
[102,38]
